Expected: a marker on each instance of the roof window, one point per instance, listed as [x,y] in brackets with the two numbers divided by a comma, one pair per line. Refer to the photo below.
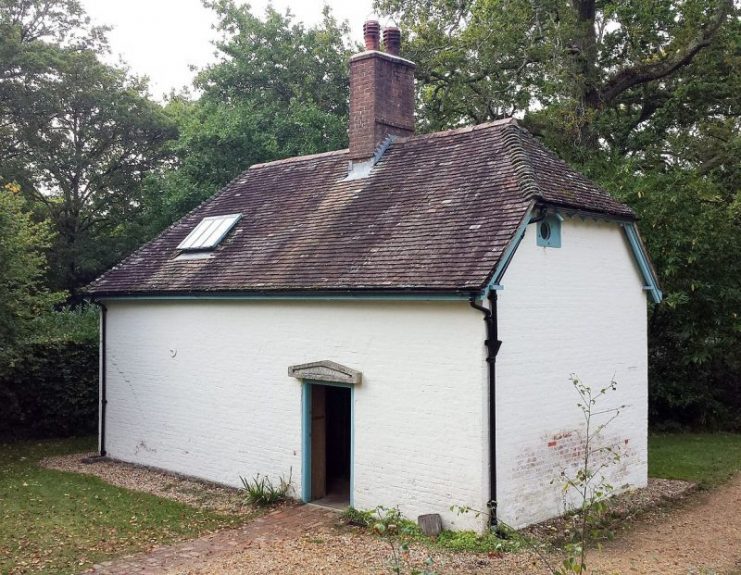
[209,232]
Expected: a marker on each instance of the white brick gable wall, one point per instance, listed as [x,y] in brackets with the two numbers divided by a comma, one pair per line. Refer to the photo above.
[201,388]
[577,309]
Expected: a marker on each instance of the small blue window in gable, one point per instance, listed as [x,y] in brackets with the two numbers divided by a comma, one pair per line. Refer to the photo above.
[549,232]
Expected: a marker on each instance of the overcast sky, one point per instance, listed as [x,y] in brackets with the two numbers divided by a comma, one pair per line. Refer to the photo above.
[162,38]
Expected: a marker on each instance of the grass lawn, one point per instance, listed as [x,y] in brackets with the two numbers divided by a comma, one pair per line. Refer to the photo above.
[705,458]
[55,522]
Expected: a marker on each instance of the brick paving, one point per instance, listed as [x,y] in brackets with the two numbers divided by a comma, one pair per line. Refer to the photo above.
[288,521]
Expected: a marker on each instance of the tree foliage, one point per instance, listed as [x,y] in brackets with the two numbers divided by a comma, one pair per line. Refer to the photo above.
[81,135]
[23,242]
[562,64]
[692,222]
[49,389]
[34,37]
[643,97]
[278,89]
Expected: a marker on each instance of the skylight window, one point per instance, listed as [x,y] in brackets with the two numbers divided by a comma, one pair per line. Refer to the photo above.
[209,232]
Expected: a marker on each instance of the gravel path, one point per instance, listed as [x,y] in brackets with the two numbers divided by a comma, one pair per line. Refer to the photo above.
[624,509]
[700,535]
[333,549]
[275,543]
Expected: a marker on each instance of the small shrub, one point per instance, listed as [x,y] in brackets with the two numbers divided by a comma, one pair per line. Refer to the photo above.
[261,491]
[390,521]
[357,517]
[491,541]
[397,531]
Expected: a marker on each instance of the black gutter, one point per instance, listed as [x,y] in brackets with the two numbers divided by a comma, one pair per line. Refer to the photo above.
[492,344]
[103,398]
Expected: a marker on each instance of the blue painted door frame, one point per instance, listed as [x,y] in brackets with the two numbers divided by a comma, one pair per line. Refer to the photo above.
[307,386]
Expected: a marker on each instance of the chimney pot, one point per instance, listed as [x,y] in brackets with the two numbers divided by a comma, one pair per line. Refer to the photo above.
[372,35]
[392,40]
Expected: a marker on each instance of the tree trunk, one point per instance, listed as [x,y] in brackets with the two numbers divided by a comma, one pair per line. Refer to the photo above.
[584,70]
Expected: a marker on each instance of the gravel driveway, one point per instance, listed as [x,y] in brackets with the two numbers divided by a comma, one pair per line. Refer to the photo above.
[702,537]
[698,536]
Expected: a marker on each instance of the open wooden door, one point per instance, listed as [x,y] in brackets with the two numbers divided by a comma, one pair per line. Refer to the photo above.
[318,442]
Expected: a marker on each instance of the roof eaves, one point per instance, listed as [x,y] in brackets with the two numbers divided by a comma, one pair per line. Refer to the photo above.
[494,277]
[595,213]
[419,294]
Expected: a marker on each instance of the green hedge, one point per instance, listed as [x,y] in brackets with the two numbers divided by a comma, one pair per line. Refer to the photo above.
[49,389]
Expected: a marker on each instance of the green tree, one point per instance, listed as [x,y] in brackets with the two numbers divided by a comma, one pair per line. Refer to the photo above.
[33,36]
[691,222]
[87,165]
[560,63]
[644,98]
[80,135]
[23,244]
[680,172]
[279,89]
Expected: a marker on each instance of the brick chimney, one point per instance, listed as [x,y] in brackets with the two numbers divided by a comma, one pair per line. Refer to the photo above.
[381,92]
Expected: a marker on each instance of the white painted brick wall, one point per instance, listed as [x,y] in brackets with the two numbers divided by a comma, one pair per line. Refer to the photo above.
[201,388]
[575,309]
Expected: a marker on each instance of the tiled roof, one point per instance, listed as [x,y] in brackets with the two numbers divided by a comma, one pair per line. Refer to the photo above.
[436,213]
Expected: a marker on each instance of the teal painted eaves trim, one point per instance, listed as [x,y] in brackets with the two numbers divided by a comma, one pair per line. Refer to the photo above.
[296,296]
[651,283]
[509,252]
[644,263]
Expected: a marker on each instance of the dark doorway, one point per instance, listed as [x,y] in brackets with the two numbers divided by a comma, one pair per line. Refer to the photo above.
[330,445]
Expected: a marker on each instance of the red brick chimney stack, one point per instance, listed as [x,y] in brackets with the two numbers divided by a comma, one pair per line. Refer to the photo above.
[381,92]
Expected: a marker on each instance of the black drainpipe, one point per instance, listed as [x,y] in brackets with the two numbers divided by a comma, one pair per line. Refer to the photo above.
[103,398]
[492,348]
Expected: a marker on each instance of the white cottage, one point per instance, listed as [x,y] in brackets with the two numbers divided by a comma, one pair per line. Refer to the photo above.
[321,317]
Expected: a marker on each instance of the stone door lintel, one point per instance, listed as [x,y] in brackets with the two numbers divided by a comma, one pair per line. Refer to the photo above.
[326,370]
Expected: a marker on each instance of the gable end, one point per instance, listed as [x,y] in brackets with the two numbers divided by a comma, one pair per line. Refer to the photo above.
[638,250]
